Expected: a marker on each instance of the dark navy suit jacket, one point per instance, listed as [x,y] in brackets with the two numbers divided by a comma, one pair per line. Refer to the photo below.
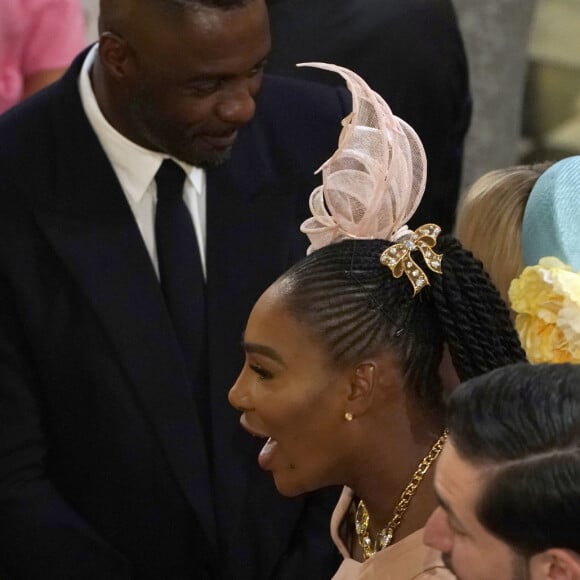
[102,466]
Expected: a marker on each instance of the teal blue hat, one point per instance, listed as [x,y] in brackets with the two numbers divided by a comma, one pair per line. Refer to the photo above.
[551,224]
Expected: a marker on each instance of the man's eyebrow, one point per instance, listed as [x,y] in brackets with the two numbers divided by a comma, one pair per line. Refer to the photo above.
[262,61]
[447,508]
[203,77]
[263,350]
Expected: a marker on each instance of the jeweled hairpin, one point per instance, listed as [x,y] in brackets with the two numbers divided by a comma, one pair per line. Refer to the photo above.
[399,260]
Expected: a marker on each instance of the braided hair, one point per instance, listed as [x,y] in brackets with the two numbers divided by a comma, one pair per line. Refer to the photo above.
[355,306]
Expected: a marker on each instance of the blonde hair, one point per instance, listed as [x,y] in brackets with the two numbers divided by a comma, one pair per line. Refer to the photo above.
[489,220]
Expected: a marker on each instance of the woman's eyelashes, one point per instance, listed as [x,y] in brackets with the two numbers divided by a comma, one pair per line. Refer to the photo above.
[262,373]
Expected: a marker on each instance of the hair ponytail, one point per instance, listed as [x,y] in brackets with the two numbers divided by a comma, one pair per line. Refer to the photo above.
[474,319]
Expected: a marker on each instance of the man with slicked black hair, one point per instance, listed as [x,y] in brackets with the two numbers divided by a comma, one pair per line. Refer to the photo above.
[148,198]
[508,479]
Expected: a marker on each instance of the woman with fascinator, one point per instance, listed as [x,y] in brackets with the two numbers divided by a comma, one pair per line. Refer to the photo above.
[546,295]
[350,352]
[533,256]
[489,220]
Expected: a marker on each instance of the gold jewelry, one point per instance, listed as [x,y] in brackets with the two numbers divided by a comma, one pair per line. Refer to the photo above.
[398,256]
[385,536]
[348,416]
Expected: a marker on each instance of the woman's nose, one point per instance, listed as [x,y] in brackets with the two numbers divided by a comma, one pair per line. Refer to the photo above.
[238,396]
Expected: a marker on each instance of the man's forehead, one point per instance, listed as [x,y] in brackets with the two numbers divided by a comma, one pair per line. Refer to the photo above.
[456,479]
[122,15]
[223,41]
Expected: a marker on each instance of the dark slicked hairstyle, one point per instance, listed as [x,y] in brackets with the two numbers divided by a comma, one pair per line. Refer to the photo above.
[356,307]
[522,422]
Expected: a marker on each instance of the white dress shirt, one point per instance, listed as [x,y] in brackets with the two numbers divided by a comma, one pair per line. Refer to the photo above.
[136,167]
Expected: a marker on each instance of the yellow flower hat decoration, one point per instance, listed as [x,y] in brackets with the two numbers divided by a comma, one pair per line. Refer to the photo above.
[546,300]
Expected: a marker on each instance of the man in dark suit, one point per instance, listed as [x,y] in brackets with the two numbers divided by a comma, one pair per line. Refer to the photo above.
[119,454]
[411,53]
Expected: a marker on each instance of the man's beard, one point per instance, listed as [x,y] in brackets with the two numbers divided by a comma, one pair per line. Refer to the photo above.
[520,568]
[447,562]
[160,137]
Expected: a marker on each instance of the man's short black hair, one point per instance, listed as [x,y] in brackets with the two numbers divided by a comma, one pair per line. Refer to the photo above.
[223,4]
[522,422]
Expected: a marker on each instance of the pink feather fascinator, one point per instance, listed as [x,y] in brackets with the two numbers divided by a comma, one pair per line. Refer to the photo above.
[374,181]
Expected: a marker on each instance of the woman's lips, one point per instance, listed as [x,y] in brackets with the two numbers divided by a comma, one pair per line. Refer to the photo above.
[244,423]
[265,455]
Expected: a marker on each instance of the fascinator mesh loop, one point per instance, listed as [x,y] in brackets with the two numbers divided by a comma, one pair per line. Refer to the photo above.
[374,181]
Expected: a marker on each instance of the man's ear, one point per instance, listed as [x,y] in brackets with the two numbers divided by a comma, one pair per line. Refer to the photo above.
[114,55]
[555,564]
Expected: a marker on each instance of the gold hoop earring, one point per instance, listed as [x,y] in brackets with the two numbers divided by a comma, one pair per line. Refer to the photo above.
[348,416]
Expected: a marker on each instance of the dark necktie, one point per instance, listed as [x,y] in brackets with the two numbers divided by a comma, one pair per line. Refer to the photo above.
[180,273]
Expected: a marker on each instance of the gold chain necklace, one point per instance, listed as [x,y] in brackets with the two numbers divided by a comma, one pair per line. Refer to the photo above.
[385,536]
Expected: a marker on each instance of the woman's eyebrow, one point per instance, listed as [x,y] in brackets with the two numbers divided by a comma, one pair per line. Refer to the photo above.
[263,350]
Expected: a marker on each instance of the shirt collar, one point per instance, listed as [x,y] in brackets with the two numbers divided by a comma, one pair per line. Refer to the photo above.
[134,165]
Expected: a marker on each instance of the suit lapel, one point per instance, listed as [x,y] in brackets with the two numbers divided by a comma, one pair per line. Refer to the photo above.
[91,227]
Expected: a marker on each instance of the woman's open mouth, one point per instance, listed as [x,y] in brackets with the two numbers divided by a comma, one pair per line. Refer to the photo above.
[265,455]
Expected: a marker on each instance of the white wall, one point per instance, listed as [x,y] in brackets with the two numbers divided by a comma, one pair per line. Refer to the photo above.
[496,35]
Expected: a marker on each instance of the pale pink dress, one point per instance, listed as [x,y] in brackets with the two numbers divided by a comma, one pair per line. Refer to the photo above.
[408,559]
[36,35]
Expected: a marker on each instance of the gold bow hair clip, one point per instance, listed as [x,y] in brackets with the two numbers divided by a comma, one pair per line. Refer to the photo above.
[398,256]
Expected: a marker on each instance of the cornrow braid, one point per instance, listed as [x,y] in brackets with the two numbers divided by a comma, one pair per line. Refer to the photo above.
[355,306]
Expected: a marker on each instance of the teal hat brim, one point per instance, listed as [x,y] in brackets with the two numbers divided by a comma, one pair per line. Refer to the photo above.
[551,223]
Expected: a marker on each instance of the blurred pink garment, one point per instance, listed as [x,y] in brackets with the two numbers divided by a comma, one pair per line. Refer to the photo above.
[407,559]
[36,35]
